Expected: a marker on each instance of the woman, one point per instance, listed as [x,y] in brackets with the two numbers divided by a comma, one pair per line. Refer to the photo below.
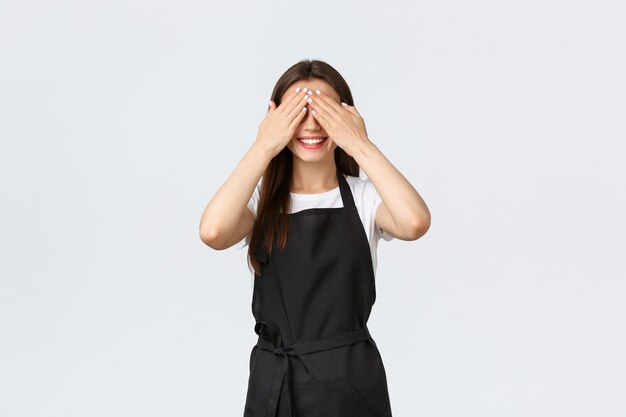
[313,266]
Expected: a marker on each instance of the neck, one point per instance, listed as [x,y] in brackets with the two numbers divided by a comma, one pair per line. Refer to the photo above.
[313,177]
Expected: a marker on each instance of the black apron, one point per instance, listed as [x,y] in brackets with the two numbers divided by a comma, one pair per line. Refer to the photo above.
[315,356]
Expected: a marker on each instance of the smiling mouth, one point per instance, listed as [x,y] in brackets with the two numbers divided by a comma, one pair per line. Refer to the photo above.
[312,141]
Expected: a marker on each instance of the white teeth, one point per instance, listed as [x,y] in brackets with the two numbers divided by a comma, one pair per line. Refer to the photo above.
[311,141]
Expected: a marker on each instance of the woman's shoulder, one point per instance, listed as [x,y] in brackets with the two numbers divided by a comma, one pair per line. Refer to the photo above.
[360,186]
[353,179]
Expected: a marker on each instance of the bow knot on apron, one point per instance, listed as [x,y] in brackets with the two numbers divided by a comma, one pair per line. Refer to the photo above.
[270,339]
[280,350]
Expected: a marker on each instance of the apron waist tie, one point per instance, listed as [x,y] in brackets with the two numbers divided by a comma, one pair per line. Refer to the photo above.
[270,339]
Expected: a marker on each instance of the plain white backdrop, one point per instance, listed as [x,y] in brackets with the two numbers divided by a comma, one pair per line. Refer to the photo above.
[120,119]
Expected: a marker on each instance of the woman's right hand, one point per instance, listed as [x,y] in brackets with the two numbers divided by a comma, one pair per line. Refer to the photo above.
[280,124]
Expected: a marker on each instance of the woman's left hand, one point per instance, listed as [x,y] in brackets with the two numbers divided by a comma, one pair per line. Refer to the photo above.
[343,123]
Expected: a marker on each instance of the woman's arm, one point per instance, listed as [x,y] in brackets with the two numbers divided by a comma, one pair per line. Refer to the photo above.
[226,219]
[402,213]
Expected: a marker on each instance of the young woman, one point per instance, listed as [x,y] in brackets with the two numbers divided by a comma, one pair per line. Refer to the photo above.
[311,224]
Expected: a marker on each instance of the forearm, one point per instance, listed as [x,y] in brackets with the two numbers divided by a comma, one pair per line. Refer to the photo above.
[223,212]
[405,205]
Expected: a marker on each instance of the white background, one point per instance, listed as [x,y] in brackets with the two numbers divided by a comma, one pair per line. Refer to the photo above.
[120,119]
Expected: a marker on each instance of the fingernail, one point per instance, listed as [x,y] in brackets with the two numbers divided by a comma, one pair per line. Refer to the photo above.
[304,89]
[317,91]
[298,90]
[343,104]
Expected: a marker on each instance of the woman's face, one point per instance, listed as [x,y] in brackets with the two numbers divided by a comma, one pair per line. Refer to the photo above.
[309,126]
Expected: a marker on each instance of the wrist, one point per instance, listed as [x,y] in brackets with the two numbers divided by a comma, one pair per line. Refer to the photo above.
[364,149]
[260,151]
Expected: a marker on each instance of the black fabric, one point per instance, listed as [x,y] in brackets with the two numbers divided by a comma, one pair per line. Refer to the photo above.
[314,356]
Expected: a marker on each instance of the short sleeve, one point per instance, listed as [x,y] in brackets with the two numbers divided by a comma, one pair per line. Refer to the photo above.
[375,200]
[252,205]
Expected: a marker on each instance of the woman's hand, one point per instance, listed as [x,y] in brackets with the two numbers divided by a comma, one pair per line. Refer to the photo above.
[343,123]
[280,124]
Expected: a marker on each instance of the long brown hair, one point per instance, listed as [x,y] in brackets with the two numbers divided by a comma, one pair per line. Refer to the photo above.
[270,225]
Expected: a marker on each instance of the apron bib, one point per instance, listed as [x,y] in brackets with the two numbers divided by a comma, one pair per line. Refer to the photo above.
[315,356]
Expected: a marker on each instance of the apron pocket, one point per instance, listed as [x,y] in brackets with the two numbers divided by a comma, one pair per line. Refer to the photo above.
[330,398]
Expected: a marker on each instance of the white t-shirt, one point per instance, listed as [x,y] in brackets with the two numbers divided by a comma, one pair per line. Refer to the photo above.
[366,200]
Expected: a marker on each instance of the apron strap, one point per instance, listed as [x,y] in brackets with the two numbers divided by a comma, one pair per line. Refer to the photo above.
[344,188]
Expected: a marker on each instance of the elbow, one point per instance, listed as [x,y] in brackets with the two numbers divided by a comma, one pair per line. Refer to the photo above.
[210,237]
[419,228]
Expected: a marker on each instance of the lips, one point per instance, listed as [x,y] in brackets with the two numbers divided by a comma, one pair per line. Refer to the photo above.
[316,145]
